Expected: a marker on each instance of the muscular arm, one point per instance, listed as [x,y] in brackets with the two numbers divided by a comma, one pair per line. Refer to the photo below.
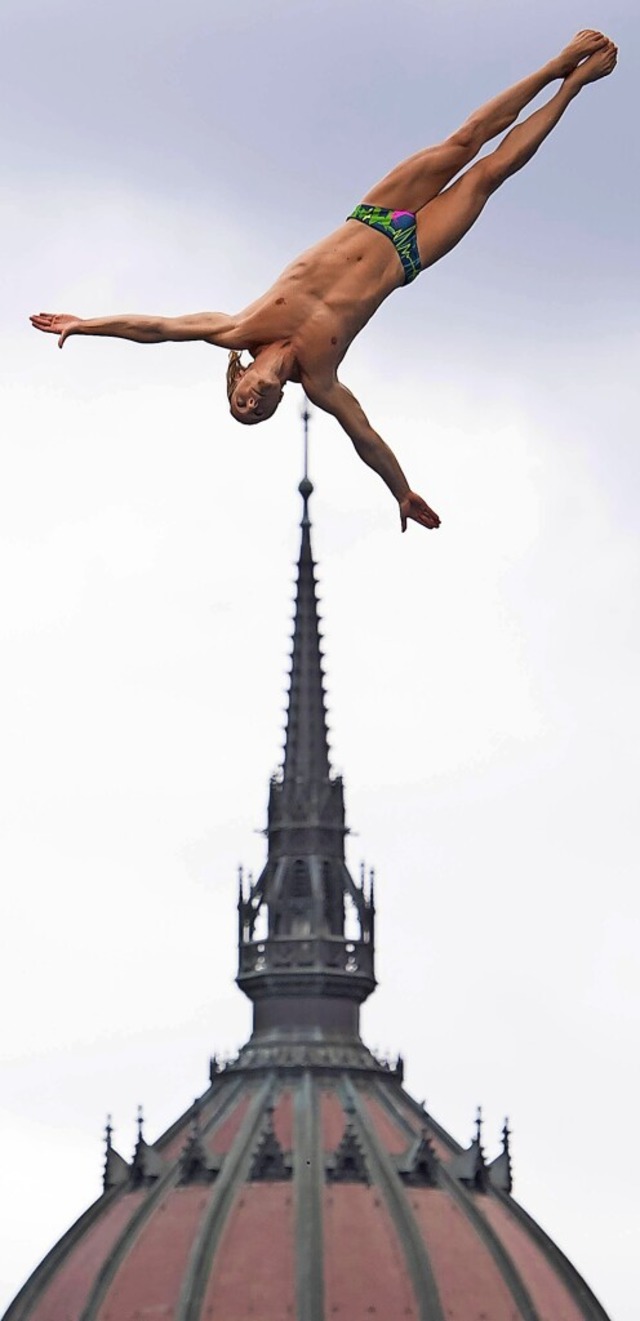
[213,327]
[336,399]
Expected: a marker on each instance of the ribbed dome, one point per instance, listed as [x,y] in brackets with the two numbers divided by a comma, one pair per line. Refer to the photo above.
[306,1183]
[308,1192]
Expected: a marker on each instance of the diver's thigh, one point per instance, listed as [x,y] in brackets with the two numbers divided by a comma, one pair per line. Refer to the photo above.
[445,220]
[420,178]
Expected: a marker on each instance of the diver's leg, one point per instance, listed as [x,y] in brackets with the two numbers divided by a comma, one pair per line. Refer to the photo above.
[447,218]
[413,183]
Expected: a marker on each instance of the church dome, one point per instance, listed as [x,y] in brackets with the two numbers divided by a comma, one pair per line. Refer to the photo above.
[306,1182]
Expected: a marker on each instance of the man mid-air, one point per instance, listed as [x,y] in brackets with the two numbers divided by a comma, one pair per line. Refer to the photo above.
[302,327]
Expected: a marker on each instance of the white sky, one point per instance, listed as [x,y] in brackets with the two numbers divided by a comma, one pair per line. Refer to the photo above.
[482,681]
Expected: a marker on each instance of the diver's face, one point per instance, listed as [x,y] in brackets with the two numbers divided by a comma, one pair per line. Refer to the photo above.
[254,401]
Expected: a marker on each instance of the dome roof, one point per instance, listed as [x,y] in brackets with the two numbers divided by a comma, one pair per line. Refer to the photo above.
[306,1182]
[312,1189]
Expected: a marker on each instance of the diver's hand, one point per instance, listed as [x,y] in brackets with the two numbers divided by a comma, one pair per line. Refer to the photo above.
[56,323]
[413,506]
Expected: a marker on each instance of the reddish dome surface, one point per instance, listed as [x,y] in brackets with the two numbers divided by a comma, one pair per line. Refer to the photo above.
[310,1192]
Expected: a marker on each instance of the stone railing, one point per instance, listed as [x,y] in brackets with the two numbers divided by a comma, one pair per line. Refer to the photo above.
[315,954]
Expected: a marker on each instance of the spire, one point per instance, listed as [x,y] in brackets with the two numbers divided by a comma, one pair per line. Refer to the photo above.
[303,972]
[469,1166]
[500,1172]
[147,1164]
[306,756]
[116,1169]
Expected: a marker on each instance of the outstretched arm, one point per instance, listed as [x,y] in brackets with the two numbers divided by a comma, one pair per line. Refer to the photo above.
[213,327]
[336,399]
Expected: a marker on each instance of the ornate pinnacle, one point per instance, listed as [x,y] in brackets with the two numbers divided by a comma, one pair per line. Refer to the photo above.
[306,754]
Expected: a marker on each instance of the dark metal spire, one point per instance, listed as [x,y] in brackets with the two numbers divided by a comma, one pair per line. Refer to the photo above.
[304,971]
[306,755]
[500,1172]
[116,1169]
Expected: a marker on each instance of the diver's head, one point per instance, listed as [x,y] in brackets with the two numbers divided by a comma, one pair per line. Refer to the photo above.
[253,394]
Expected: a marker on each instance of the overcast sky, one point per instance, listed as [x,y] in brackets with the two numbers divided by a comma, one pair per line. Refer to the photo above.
[482,680]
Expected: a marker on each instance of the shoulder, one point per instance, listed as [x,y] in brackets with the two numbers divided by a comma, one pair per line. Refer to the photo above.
[223,331]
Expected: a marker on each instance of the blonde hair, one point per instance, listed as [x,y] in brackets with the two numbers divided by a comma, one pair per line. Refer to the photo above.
[235,371]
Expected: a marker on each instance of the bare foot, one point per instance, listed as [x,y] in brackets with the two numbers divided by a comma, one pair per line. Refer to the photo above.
[584,44]
[596,66]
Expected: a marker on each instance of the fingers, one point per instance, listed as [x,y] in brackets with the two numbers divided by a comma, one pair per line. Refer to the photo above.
[54,323]
[427,517]
[416,508]
[43,321]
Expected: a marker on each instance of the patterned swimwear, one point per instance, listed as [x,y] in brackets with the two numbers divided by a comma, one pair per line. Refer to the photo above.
[400,227]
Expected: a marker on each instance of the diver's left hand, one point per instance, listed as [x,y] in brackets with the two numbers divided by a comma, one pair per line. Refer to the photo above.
[413,506]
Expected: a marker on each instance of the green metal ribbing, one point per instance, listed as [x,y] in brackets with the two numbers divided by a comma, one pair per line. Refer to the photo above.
[234,1171]
[466,1203]
[422,1116]
[29,1295]
[129,1235]
[409,1236]
[382,1094]
[578,1288]
[309,1179]
[505,1264]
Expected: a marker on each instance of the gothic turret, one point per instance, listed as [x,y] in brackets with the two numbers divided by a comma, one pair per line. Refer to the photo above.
[296,961]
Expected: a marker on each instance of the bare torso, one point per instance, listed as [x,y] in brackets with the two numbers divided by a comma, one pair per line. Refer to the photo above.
[301,328]
[322,300]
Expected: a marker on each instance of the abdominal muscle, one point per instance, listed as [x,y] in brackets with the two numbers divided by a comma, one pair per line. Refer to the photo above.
[325,296]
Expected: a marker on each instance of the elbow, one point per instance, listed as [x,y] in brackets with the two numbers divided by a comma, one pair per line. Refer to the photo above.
[157,331]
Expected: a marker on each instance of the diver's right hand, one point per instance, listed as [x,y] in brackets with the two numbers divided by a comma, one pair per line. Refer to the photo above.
[56,323]
[413,506]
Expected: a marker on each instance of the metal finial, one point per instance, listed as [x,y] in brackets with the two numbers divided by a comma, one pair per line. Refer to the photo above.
[306,417]
[108,1132]
[140,1122]
[306,487]
[479,1125]
[506,1134]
